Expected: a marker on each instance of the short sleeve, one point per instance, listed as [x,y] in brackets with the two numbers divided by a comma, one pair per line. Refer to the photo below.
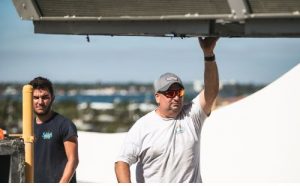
[131,147]
[194,110]
[68,129]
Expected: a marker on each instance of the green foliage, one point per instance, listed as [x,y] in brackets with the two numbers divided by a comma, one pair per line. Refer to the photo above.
[67,108]
[10,115]
[118,119]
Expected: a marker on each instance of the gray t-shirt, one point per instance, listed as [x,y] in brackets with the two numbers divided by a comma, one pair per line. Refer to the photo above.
[166,150]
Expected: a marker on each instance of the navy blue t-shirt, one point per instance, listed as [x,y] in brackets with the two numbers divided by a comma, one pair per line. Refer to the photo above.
[49,153]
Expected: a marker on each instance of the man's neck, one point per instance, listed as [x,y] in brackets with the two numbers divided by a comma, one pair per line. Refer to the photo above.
[165,115]
[42,118]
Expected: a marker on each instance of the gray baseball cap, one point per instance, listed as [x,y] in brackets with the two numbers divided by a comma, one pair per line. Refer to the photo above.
[164,82]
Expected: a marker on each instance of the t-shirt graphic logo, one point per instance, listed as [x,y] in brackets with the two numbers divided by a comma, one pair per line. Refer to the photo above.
[179,129]
[47,135]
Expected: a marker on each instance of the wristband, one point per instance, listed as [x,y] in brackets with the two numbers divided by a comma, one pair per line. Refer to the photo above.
[210,58]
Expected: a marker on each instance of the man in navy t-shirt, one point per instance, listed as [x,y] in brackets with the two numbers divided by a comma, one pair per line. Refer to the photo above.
[56,145]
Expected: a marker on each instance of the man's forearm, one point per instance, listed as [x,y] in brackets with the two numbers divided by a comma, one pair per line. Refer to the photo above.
[211,81]
[122,171]
[69,171]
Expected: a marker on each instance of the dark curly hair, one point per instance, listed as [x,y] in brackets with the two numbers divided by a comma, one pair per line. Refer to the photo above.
[42,83]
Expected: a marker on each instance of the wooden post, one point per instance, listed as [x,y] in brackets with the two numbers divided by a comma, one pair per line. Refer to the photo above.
[28,133]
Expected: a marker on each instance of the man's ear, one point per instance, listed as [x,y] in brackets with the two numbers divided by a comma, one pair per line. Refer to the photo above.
[53,98]
[157,98]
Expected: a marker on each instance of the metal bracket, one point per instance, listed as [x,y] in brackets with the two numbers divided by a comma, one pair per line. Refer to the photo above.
[28,139]
[239,9]
[27,9]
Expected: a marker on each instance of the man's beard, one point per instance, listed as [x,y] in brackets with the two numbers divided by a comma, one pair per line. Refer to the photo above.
[45,112]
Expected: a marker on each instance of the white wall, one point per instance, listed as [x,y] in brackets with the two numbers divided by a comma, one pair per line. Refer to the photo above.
[256,139]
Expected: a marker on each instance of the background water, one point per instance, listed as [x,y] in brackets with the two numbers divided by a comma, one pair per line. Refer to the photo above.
[138,98]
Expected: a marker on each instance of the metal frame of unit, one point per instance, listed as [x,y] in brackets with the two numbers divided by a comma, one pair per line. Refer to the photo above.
[14,148]
[240,21]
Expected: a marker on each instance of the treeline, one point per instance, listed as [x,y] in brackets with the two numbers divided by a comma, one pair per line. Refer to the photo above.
[227,90]
[117,119]
[236,90]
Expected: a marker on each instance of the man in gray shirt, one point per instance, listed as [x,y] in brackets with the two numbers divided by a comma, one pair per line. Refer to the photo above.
[165,143]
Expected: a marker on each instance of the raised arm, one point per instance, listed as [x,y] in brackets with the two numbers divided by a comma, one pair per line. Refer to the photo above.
[211,76]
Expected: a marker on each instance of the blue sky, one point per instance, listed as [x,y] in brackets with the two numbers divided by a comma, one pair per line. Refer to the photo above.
[69,58]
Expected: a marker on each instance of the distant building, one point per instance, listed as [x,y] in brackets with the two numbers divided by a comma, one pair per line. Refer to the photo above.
[197,85]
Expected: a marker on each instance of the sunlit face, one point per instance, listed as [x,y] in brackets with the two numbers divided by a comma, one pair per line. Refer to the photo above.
[170,103]
[42,101]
